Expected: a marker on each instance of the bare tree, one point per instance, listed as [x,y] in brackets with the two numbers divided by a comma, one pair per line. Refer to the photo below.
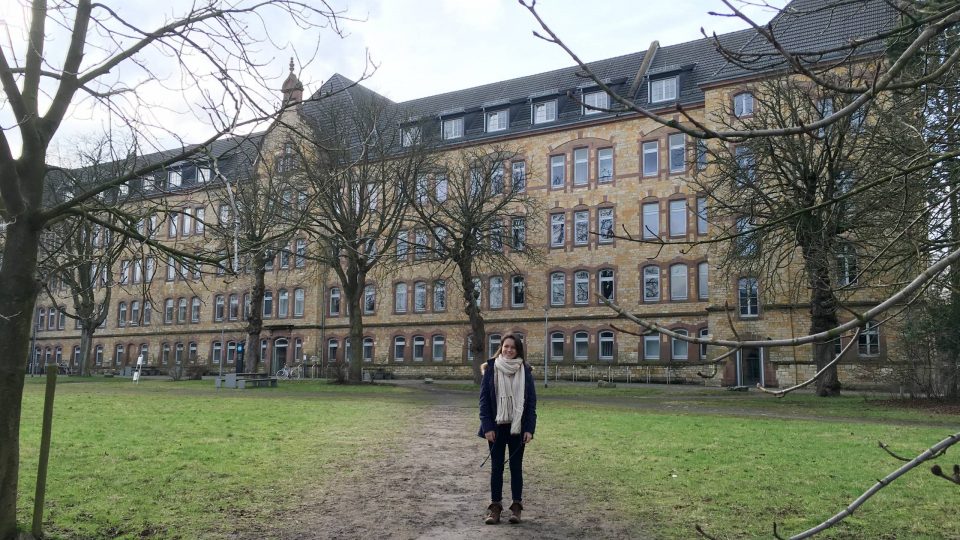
[358,175]
[208,46]
[473,213]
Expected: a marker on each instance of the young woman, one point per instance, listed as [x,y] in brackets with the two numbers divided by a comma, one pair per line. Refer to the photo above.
[508,419]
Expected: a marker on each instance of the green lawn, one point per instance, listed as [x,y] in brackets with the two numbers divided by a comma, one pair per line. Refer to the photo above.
[736,476]
[179,460]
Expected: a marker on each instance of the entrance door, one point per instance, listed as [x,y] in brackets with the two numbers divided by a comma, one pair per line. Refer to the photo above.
[750,367]
[279,354]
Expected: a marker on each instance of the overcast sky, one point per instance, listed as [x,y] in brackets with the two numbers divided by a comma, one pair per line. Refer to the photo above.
[420,47]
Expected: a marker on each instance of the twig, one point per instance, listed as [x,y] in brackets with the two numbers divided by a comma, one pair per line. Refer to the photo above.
[785,391]
[886,449]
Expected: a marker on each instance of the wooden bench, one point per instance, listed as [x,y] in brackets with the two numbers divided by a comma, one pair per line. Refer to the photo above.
[246,380]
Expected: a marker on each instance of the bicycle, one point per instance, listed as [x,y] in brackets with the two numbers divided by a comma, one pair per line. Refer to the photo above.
[294,373]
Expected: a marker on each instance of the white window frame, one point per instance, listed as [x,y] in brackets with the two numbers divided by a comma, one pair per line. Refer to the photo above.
[748,297]
[557,340]
[581,166]
[605,276]
[581,227]
[868,342]
[662,90]
[409,136]
[400,298]
[650,273]
[651,346]
[598,99]
[549,109]
[558,171]
[440,295]
[581,346]
[558,230]
[496,292]
[743,104]
[420,296]
[452,128]
[677,145]
[651,158]
[703,281]
[605,225]
[679,282]
[606,338]
[558,289]
[605,165]
[497,120]
[518,291]
[678,217]
[679,349]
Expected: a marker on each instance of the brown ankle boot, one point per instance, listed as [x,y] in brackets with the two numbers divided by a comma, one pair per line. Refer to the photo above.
[493,514]
[515,510]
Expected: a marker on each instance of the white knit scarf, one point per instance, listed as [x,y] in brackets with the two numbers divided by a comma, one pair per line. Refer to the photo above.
[510,380]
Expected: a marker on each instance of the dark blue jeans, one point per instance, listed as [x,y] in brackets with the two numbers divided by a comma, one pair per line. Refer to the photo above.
[497,457]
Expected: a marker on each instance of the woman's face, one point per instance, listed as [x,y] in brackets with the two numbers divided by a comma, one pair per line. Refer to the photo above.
[508,349]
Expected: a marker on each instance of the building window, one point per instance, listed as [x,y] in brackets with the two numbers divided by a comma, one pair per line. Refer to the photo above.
[663,90]
[868,342]
[168,311]
[438,348]
[581,343]
[298,302]
[496,236]
[581,166]
[453,128]
[410,135]
[400,298]
[498,120]
[496,292]
[651,346]
[678,217]
[135,313]
[557,230]
[519,175]
[399,348]
[605,165]
[333,344]
[173,222]
[283,303]
[556,346]
[595,100]
[704,333]
[651,284]
[702,154]
[581,287]
[117,355]
[421,244]
[493,345]
[605,283]
[519,233]
[122,314]
[748,297]
[440,295]
[581,227]
[518,288]
[545,111]
[557,171]
[702,226]
[181,311]
[677,152]
[171,268]
[198,221]
[147,312]
[368,349]
[605,225]
[233,307]
[301,259]
[369,299]
[403,246]
[651,161]
[678,347]
[746,167]
[420,296]
[334,301]
[558,289]
[746,242]
[678,282]
[703,281]
[217,352]
[195,309]
[743,104]
[165,354]
[419,344]
[846,264]
[268,303]
[606,345]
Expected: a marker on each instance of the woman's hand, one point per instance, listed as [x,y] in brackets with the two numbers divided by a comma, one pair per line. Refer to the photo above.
[527,437]
[491,436]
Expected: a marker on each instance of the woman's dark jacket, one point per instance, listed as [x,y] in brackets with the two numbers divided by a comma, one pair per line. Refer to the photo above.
[488,402]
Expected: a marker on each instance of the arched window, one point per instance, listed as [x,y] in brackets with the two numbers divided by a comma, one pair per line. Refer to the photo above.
[419,344]
[368,349]
[192,352]
[518,291]
[299,297]
[678,282]
[743,104]
[369,299]
[439,349]
[400,298]
[332,345]
[218,307]
[399,348]
[493,345]
[651,284]
[440,295]
[283,303]
[558,289]
[496,292]
[581,287]
[122,314]
[581,343]
[703,281]
[98,354]
[195,309]
[233,311]
[679,347]
[181,310]
[606,345]
[605,283]
[420,296]
[556,346]
[134,313]
[334,301]
[703,334]
[268,303]
[217,353]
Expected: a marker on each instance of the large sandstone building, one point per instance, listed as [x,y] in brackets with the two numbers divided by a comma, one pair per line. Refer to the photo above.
[600,176]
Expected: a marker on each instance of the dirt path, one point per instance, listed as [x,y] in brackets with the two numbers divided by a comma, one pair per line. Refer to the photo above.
[433,488]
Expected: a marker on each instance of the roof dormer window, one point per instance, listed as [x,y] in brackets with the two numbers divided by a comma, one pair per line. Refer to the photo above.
[663,90]
[174,178]
[594,101]
[497,120]
[453,128]
[410,135]
[545,111]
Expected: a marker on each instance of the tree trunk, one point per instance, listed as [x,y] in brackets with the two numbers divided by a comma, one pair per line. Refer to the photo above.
[823,316]
[353,289]
[478,333]
[18,293]
[86,343]
[255,319]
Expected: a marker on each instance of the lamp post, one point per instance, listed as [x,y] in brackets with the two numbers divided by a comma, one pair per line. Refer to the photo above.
[546,341]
